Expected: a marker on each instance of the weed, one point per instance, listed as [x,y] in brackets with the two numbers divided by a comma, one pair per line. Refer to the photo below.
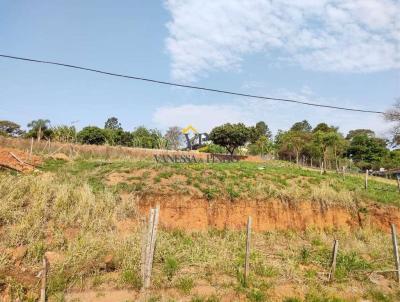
[171,266]
[185,284]
[291,299]
[210,192]
[131,278]
[348,262]
[264,270]
[305,255]
[256,295]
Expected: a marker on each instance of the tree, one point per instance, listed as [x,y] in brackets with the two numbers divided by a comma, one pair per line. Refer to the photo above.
[370,150]
[39,128]
[92,135]
[264,145]
[63,133]
[261,129]
[230,136]
[8,128]
[323,127]
[296,141]
[145,138]
[174,137]
[113,124]
[303,126]
[393,115]
[353,133]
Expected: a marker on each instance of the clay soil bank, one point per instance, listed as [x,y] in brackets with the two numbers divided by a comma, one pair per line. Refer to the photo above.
[194,214]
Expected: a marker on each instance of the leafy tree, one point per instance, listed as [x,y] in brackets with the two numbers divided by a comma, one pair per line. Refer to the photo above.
[8,128]
[392,160]
[92,135]
[113,124]
[174,137]
[63,133]
[295,141]
[230,136]
[118,137]
[336,143]
[39,128]
[264,145]
[370,150]
[303,126]
[145,138]
[323,127]
[261,129]
[353,133]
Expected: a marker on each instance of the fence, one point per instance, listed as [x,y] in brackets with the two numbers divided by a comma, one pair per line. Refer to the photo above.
[210,158]
[149,244]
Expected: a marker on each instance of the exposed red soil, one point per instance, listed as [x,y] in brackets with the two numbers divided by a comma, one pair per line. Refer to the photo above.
[194,214]
[18,160]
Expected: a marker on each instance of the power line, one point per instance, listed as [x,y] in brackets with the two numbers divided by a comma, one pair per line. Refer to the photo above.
[190,86]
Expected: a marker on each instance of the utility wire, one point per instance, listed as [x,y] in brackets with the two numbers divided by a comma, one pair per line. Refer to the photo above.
[190,86]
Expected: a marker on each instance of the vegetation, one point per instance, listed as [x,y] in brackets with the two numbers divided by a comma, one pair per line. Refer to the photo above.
[39,129]
[92,135]
[8,128]
[81,223]
[230,136]
[322,145]
[393,115]
[245,180]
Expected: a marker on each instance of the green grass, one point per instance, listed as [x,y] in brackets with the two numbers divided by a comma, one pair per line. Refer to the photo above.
[231,181]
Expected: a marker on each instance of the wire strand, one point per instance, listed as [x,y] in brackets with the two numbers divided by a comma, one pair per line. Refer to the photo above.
[191,86]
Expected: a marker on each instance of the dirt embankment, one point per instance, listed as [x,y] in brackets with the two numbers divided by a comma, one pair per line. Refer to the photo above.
[180,212]
[18,160]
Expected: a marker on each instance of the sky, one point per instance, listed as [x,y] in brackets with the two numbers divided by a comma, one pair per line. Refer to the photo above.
[334,52]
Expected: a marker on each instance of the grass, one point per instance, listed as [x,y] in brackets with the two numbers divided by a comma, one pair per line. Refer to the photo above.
[72,209]
[229,181]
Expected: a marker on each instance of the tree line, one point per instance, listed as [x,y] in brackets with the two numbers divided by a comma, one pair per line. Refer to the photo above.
[111,134]
[322,145]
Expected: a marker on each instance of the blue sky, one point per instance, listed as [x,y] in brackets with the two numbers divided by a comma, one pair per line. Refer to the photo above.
[334,52]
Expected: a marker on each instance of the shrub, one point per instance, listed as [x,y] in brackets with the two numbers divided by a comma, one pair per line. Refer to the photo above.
[185,284]
[170,267]
[92,136]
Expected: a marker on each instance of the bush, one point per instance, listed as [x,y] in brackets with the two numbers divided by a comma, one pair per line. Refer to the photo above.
[212,148]
[92,136]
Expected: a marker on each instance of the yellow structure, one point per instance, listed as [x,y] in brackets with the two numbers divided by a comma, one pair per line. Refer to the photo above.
[188,128]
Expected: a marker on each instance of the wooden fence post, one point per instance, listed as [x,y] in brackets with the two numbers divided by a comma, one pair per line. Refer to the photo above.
[333,263]
[366,179]
[148,255]
[322,168]
[247,257]
[395,252]
[147,243]
[398,181]
[44,281]
[344,171]
[30,152]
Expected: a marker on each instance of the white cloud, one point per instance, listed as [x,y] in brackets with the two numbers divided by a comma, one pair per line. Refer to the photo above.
[276,114]
[327,35]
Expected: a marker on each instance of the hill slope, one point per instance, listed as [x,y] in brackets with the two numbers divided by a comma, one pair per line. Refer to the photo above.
[86,216]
